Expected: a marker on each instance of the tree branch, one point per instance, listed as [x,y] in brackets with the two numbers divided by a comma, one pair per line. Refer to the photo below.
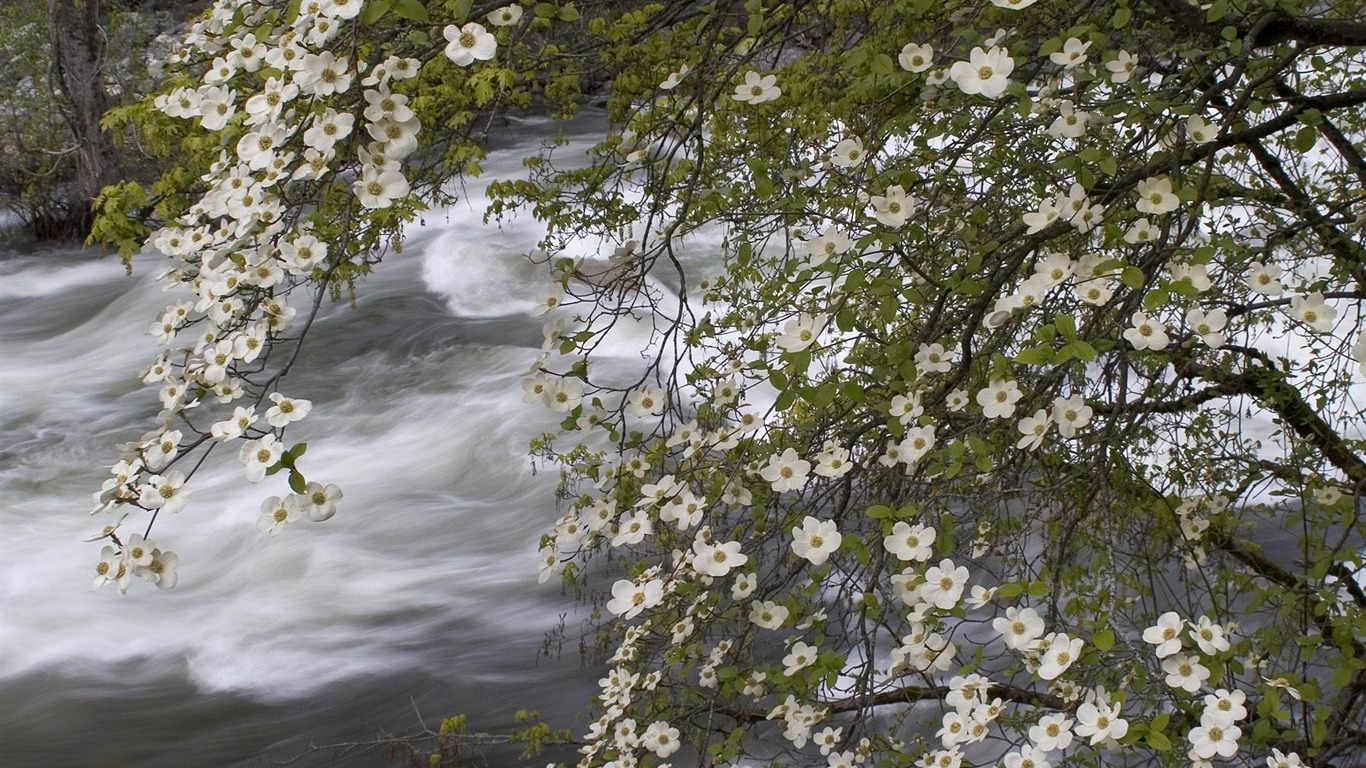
[1268,30]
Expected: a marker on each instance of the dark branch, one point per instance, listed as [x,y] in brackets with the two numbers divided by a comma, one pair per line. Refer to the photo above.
[1271,29]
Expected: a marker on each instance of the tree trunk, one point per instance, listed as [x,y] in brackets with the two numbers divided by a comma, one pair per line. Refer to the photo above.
[77,61]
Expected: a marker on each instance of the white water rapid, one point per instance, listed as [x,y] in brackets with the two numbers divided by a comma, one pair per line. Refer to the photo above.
[420,596]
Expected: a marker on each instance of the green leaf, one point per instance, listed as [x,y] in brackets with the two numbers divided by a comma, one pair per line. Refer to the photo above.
[1080,350]
[297,482]
[1184,288]
[413,10]
[798,361]
[375,10]
[1132,277]
[844,319]
[879,512]
[546,10]
[1066,325]
[1305,138]
[1103,640]
[1318,732]
[824,395]
[1120,19]
[460,11]
[785,400]
[569,13]
[1154,299]
[1035,355]
[1009,590]
[1217,11]
[1158,741]
[854,393]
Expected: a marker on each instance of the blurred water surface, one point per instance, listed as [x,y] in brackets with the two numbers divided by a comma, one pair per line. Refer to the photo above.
[420,596]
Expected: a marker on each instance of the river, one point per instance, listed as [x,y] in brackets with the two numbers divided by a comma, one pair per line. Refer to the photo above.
[417,601]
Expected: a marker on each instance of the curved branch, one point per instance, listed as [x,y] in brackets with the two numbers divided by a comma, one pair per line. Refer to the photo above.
[1268,30]
[910,694]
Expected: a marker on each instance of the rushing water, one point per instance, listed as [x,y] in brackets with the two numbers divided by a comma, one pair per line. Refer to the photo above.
[419,597]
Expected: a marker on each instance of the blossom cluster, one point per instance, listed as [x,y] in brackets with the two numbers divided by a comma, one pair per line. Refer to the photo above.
[294,115]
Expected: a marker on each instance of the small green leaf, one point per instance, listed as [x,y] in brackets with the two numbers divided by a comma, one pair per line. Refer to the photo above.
[460,11]
[853,393]
[1305,138]
[1035,355]
[1120,19]
[569,13]
[785,400]
[824,395]
[546,10]
[1103,640]
[844,319]
[1154,299]
[1132,277]
[1066,325]
[375,10]
[798,361]
[1318,732]
[413,10]
[297,482]
[1159,741]
[1080,350]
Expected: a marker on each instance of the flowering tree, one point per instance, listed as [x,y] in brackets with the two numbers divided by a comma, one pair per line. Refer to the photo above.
[958,315]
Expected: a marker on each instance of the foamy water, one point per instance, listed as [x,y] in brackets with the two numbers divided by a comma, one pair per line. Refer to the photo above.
[421,592]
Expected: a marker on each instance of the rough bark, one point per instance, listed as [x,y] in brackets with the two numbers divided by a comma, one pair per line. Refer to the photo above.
[77,45]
